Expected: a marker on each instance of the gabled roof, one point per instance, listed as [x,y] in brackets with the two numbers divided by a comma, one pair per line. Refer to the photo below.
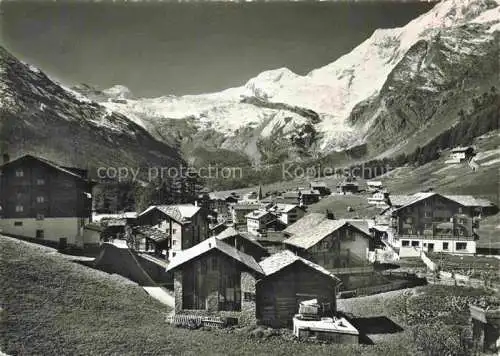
[310,192]
[362,225]
[399,200]
[179,213]
[232,232]
[310,237]
[305,223]
[257,214]
[280,260]
[415,198]
[210,244]
[221,196]
[285,208]
[152,233]
[470,201]
[307,238]
[245,206]
[67,170]
[462,149]
[318,184]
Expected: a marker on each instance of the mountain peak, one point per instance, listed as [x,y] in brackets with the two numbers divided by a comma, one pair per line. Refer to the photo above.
[118,92]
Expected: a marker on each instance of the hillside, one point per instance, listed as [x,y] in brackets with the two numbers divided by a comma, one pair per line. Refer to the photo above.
[54,306]
[41,117]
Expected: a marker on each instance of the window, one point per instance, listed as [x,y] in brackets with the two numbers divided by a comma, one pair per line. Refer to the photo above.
[174,231]
[18,223]
[40,199]
[19,208]
[461,246]
[39,234]
[40,181]
[415,243]
[19,173]
[405,243]
[445,246]
[174,242]
[249,297]
[428,214]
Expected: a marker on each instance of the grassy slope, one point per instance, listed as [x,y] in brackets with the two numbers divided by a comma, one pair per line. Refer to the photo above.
[56,307]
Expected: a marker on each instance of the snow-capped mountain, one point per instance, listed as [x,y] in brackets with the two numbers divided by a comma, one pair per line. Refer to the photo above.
[312,114]
[41,117]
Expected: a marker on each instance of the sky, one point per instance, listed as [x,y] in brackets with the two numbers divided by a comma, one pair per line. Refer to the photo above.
[188,48]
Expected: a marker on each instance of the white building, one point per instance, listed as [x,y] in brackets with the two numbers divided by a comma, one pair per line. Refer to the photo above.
[288,213]
[460,154]
[258,220]
[378,198]
[374,186]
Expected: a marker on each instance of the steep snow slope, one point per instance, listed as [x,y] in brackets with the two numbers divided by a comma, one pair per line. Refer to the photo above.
[331,92]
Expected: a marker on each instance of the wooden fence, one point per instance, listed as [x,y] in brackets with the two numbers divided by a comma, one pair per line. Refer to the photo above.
[202,320]
[395,285]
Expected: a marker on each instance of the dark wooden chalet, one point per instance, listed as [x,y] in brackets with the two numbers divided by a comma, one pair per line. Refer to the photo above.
[215,279]
[334,244]
[187,225]
[243,242]
[43,200]
[289,280]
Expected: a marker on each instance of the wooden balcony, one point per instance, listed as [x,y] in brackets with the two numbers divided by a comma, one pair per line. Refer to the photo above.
[435,237]
[352,270]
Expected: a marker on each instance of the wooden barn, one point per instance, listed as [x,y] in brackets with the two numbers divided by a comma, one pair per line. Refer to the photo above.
[334,244]
[215,279]
[243,242]
[290,279]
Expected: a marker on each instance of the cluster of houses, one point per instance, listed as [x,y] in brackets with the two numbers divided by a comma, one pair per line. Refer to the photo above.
[262,258]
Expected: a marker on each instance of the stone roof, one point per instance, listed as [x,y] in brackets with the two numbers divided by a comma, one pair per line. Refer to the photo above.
[257,214]
[232,232]
[305,223]
[210,244]
[307,238]
[179,213]
[152,233]
[280,260]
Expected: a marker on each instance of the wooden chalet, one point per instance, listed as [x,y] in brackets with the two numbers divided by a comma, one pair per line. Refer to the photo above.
[434,222]
[154,239]
[186,225]
[214,278]
[334,244]
[243,242]
[43,200]
[289,280]
[321,187]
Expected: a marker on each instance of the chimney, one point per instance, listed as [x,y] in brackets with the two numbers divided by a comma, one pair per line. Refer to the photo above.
[329,215]
[6,158]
